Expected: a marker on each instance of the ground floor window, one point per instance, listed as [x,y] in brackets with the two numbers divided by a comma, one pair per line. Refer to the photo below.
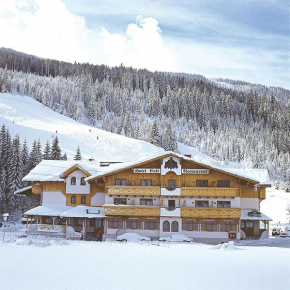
[227,226]
[47,220]
[151,224]
[166,226]
[115,223]
[190,225]
[134,224]
[174,227]
[78,221]
[209,226]
[60,221]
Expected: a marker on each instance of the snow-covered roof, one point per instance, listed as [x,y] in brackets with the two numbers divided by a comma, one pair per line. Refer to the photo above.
[22,190]
[84,211]
[66,211]
[261,176]
[245,216]
[51,170]
[47,210]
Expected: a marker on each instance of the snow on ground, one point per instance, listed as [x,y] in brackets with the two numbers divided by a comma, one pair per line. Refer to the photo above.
[32,120]
[31,264]
[274,206]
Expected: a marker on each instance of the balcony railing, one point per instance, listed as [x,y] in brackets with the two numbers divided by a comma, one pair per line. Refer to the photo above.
[187,212]
[209,191]
[134,190]
[126,210]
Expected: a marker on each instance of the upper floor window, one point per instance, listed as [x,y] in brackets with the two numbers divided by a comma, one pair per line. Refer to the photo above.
[118,200]
[73,199]
[171,184]
[201,203]
[121,182]
[223,183]
[146,182]
[83,200]
[146,201]
[223,204]
[73,181]
[202,183]
[83,182]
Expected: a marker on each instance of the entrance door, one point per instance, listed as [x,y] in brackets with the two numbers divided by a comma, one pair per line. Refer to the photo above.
[248,228]
[171,184]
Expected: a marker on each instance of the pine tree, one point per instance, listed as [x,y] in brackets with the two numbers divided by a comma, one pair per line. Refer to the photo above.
[64,156]
[154,135]
[78,155]
[287,186]
[277,184]
[46,152]
[55,151]
[25,158]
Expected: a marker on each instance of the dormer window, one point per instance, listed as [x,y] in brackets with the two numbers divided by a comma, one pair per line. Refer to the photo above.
[83,182]
[73,181]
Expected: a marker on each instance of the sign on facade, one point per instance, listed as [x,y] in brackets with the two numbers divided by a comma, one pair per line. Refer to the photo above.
[195,171]
[147,170]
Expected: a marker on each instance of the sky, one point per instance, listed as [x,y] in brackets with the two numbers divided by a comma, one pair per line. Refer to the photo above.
[237,39]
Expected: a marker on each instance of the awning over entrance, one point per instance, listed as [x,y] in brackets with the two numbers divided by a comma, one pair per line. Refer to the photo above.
[249,214]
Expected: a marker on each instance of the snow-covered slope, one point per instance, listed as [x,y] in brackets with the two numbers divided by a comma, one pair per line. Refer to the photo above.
[32,120]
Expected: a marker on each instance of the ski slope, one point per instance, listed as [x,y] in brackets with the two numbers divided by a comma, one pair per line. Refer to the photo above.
[32,120]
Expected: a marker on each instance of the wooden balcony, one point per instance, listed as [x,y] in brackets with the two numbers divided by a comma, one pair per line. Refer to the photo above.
[219,213]
[134,190]
[209,191]
[125,210]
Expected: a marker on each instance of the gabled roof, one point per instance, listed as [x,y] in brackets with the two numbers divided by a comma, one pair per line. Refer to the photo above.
[72,169]
[258,176]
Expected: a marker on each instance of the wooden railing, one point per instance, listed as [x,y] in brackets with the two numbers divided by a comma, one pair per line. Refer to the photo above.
[187,212]
[125,210]
[134,190]
[209,191]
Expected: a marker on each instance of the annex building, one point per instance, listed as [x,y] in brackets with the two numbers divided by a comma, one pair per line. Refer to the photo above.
[156,197]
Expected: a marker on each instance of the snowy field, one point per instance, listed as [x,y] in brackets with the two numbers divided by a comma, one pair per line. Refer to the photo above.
[30,264]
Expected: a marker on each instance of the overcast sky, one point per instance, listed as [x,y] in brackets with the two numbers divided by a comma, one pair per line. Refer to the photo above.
[238,39]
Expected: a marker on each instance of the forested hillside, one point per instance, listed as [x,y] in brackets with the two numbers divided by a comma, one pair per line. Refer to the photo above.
[161,108]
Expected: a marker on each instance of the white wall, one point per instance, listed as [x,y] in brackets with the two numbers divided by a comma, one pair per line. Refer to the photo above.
[176,170]
[98,199]
[77,189]
[250,203]
[53,197]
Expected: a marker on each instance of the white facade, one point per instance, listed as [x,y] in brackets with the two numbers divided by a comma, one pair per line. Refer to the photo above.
[53,197]
[77,188]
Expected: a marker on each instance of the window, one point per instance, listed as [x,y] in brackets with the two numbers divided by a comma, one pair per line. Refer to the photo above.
[224,204]
[83,182]
[202,183]
[223,183]
[121,182]
[134,224]
[232,236]
[115,223]
[78,221]
[151,224]
[190,225]
[171,184]
[174,227]
[73,200]
[83,200]
[171,204]
[120,201]
[59,221]
[166,226]
[146,201]
[201,203]
[73,181]
[146,182]
[47,220]
[227,226]
[209,226]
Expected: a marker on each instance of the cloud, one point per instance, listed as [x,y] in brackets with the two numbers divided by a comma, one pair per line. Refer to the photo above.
[48,29]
